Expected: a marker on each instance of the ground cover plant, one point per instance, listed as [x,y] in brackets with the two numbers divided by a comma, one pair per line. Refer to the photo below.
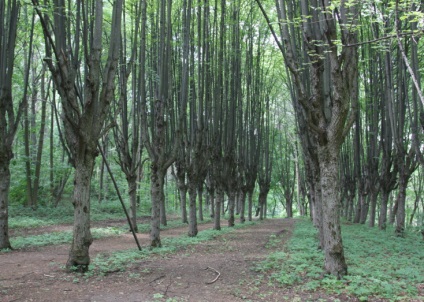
[380,264]
[27,217]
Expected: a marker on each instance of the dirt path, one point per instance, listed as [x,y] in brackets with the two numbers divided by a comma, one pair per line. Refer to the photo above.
[38,275]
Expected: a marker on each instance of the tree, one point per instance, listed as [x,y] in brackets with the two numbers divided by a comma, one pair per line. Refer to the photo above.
[158,116]
[85,104]
[9,115]
[329,112]
[127,131]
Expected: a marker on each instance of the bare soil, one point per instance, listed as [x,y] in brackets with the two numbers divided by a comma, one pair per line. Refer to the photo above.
[216,270]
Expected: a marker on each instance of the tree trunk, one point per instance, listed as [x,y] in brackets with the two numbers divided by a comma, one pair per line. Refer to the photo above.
[218,201]
[364,210]
[231,207]
[242,198]
[289,206]
[132,192]
[82,239]
[192,225]
[183,197]
[157,195]
[335,262]
[4,201]
[373,207]
[393,212]
[212,203]
[382,222]
[200,195]
[163,220]
[400,214]
[249,204]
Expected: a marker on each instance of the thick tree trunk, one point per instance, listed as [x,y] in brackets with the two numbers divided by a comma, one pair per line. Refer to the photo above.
[4,202]
[163,219]
[242,205]
[200,195]
[82,239]
[192,222]
[400,214]
[364,210]
[218,201]
[393,212]
[382,222]
[262,201]
[373,207]
[231,207]
[183,201]
[212,203]
[335,262]
[132,192]
[157,195]
[289,207]
[249,204]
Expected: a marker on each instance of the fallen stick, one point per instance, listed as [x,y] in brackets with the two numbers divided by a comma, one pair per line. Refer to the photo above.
[216,278]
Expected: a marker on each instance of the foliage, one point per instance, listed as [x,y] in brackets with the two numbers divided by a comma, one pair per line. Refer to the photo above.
[380,264]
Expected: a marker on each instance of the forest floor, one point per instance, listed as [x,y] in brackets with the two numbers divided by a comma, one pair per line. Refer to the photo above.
[216,270]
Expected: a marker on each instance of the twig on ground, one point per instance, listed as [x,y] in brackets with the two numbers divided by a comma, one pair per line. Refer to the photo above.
[216,278]
[160,277]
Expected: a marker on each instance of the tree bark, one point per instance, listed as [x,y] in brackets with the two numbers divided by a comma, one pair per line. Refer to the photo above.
[382,222]
[335,262]
[231,206]
[192,226]
[82,239]
[4,199]
[157,194]
[249,205]
[132,192]
[242,198]
[218,201]
[200,195]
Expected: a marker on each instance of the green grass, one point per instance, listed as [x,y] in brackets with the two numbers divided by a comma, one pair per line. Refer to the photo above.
[61,237]
[25,217]
[380,265]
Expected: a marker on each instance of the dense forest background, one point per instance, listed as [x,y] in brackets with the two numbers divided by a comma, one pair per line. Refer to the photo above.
[236,108]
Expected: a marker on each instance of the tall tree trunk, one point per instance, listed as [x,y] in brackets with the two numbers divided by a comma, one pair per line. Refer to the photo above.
[200,195]
[82,239]
[335,262]
[218,201]
[382,222]
[242,198]
[231,206]
[249,205]
[40,144]
[132,192]
[4,199]
[400,214]
[192,227]
[157,195]
[163,219]
[373,207]
[183,201]
[212,202]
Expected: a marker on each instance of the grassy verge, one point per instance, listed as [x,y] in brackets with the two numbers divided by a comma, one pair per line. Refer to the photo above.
[63,237]
[25,217]
[380,264]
